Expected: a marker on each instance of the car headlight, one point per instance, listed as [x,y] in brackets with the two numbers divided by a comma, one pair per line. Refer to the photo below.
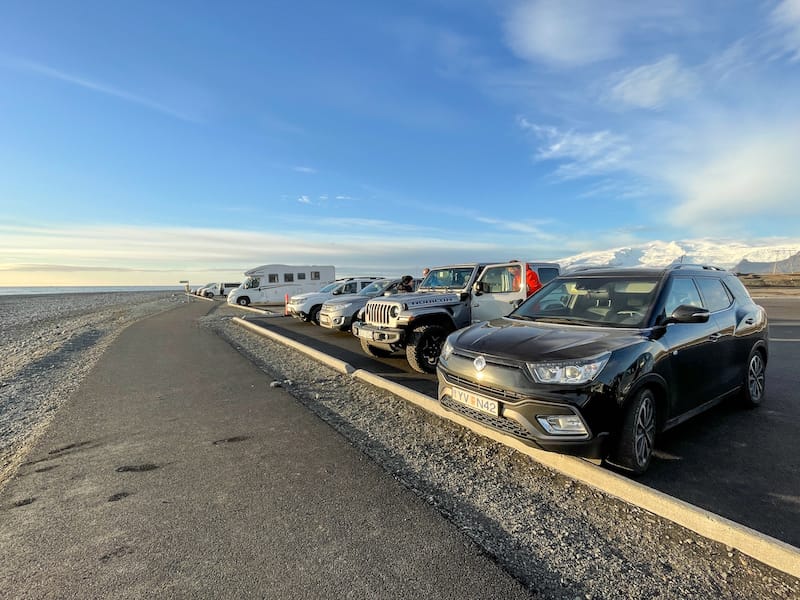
[394,312]
[568,371]
[447,349]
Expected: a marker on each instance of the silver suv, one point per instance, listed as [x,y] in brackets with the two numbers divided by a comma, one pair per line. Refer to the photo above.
[340,312]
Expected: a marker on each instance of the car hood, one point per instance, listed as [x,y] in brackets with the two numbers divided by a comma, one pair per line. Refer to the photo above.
[308,296]
[348,299]
[526,341]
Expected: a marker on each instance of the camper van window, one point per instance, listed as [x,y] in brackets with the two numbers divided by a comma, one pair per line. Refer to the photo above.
[252,283]
[273,278]
[315,275]
[301,276]
[288,277]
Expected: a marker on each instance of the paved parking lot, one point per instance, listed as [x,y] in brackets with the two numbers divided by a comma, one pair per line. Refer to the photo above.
[741,464]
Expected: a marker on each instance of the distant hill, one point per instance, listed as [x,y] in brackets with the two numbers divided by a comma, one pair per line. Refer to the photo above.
[787,265]
[737,256]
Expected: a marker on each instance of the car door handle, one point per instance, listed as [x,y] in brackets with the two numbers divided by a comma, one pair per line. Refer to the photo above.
[714,337]
[750,321]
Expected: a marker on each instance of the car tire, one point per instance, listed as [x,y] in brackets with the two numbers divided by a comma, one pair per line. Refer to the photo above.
[313,316]
[424,346]
[243,301]
[372,351]
[754,379]
[636,440]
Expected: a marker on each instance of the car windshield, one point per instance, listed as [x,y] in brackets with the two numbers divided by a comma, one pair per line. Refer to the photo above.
[330,287]
[618,301]
[455,278]
[374,288]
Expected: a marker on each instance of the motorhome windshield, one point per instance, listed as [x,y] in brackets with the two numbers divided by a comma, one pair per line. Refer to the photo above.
[250,283]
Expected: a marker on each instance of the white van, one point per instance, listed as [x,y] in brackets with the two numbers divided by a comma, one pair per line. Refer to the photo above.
[270,284]
[224,288]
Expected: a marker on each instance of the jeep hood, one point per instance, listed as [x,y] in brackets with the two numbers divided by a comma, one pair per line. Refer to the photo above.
[528,341]
[417,299]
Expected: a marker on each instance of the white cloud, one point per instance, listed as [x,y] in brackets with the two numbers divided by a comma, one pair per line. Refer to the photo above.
[785,19]
[309,170]
[580,154]
[304,200]
[529,227]
[651,86]
[344,197]
[565,32]
[751,175]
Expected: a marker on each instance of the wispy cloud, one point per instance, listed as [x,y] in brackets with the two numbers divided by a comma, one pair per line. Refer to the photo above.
[579,154]
[652,86]
[301,169]
[93,86]
[785,19]
[532,227]
[304,200]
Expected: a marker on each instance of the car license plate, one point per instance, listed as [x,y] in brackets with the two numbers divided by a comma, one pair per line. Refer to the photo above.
[476,402]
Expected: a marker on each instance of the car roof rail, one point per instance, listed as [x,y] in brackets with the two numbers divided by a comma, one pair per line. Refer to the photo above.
[676,266]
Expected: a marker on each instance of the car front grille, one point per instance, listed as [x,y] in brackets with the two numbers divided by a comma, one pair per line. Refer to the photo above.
[505,425]
[481,388]
[377,313]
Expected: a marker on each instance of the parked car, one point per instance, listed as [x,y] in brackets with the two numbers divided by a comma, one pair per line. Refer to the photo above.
[598,362]
[208,290]
[306,307]
[224,288]
[449,298]
[340,312]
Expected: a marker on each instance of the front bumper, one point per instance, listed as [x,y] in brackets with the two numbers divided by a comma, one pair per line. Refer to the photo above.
[518,417]
[385,336]
[294,311]
[333,320]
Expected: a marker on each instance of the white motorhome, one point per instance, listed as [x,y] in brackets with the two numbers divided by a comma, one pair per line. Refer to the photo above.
[269,284]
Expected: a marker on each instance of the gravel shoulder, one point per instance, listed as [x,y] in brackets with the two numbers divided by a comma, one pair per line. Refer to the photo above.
[533,521]
[48,344]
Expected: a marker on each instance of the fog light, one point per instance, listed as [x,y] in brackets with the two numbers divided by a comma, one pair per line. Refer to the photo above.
[562,424]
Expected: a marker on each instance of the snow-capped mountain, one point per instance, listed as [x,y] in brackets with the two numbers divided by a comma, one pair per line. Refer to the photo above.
[727,254]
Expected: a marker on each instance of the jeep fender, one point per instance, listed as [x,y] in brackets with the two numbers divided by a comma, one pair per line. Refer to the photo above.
[440,317]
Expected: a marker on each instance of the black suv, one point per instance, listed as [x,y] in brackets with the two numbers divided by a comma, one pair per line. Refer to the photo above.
[600,360]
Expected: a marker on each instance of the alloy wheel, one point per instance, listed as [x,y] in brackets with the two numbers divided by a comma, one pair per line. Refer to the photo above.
[644,437]
[755,377]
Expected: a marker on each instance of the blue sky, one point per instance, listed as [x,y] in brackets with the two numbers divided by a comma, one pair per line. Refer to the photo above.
[146,142]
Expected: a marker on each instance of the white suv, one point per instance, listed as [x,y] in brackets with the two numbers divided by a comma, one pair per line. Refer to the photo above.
[307,306]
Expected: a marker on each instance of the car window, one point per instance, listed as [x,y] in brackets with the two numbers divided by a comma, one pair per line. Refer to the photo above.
[681,291]
[547,274]
[737,288]
[450,277]
[350,288]
[503,279]
[716,295]
[611,301]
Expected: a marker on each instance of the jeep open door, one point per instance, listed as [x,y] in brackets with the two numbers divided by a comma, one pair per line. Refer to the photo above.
[498,291]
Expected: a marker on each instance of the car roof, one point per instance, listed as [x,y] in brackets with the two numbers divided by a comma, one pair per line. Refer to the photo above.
[598,271]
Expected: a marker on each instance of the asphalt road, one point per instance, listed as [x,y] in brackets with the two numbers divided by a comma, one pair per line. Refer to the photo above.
[741,464]
[177,471]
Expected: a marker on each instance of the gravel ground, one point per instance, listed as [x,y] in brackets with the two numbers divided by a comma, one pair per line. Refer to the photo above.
[48,344]
[559,538]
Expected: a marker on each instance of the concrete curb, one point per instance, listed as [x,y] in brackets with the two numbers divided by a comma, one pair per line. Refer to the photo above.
[768,550]
[251,309]
[199,297]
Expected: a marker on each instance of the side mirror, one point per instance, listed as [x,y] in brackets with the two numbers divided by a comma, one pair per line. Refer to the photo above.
[336,292]
[689,314]
[480,287]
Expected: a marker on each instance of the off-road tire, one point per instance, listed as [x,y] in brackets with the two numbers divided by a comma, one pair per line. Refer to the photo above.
[373,351]
[424,346]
